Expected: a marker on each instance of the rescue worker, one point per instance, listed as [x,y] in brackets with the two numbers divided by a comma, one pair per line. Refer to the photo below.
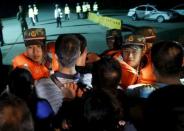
[130,57]
[21,16]
[39,61]
[95,7]
[78,10]
[134,44]
[114,41]
[67,12]
[58,15]
[31,15]
[35,10]
[147,75]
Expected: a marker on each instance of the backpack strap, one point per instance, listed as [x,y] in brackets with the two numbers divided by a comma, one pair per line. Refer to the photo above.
[66,92]
[56,81]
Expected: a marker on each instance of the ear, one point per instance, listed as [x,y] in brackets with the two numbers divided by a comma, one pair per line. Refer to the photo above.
[81,61]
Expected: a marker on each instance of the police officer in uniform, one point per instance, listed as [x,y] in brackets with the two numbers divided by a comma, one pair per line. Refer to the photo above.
[78,10]
[95,7]
[84,10]
[31,15]
[67,12]
[58,15]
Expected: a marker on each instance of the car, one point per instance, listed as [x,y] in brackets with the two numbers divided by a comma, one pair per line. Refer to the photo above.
[148,12]
[179,9]
[175,16]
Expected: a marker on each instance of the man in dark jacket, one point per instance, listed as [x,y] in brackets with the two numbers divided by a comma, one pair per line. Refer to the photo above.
[21,16]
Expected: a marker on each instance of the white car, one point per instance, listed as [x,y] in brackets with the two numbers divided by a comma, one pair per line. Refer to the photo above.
[179,9]
[148,12]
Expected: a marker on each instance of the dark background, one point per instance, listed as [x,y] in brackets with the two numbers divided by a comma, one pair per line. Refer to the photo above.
[8,8]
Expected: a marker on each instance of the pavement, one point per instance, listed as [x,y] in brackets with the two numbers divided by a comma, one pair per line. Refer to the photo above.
[14,45]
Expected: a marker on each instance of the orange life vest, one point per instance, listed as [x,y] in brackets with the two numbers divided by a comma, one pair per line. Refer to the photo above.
[129,74]
[38,71]
[50,47]
[147,75]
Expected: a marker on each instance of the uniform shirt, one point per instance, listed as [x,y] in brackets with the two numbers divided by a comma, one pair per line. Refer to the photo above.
[35,10]
[78,9]
[57,13]
[30,12]
[88,7]
[95,7]
[67,10]
[84,8]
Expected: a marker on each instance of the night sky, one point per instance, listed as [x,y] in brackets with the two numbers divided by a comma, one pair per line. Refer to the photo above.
[9,8]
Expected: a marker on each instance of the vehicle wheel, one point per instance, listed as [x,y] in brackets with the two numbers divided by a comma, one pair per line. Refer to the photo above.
[134,17]
[160,19]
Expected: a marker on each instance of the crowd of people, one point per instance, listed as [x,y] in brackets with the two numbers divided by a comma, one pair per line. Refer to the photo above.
[32,13]
[134,85]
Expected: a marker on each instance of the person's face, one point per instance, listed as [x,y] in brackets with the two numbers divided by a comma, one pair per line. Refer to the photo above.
[110,42]
[132,56]
[35,53]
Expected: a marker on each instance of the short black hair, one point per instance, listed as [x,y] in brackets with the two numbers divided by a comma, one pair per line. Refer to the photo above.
[68,50]
[82,39]
[101,111]
[167,57]
[21,80]
[165,109]
[106,73]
